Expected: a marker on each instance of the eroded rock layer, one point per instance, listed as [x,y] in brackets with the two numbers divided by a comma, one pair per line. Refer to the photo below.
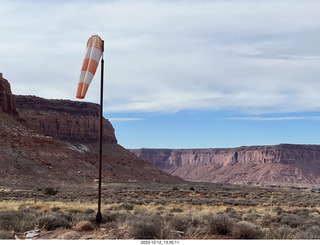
[284,163]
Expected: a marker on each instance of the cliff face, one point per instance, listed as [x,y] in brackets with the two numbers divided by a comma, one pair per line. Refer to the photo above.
[56,141]
[64,119]
[293,164]
[7,103]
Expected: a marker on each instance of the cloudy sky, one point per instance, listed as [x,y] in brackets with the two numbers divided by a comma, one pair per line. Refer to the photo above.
[178,73]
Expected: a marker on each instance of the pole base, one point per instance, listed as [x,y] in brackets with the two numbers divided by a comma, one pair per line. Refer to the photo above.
[99,218]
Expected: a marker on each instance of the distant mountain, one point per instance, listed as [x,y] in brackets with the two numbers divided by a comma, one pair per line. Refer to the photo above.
[44,141]
[276,164]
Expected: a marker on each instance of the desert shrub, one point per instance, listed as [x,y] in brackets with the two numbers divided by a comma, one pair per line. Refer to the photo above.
[219,224]
[50,191]
[282,232]
[127,206]
[18,221]
[292,220]
[266,221]
[179,223]
[277,218]
[5,235]
[119,219]
[55,209]
[81,216]
[230,210]
[279,211]
[72,211]
[251,217]
[52,221]
[311,232]
[176,210]
[89,211]
[108,217]
[246,230]
[147,226]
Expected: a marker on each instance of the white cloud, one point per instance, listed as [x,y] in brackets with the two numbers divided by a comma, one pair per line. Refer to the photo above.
[272,118]
[124,119]
[168,55]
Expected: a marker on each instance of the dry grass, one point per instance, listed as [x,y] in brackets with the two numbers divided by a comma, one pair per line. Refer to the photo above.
[183,212]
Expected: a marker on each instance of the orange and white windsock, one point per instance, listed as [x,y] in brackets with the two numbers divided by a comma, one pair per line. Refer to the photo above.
[90,64]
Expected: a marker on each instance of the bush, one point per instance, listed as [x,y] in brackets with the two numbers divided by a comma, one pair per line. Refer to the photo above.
[312,232]
[50,191]
[5,235]
[282,232]
[127,206]
[148,227]
[18,221]
[178,224]
[219,224]
[53,221]
[246,230]
[293,221]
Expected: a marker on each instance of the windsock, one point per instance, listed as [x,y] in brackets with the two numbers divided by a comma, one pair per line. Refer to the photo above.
[90,64]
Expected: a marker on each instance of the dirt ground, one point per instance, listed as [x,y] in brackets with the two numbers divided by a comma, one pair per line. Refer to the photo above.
[101,233]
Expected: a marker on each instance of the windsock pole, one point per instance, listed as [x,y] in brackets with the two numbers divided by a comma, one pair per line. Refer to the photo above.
[99,216]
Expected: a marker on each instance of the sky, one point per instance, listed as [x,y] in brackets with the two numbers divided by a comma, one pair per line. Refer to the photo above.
[178,73]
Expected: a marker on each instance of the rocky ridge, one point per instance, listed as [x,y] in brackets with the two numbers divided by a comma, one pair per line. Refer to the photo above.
[7,103]
[64,119]
[277,164]
[56,141]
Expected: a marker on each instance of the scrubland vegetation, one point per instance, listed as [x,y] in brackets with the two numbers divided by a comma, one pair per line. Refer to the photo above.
[167,211]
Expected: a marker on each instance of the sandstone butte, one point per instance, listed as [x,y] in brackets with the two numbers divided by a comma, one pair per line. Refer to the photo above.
[57,141]
[283,164]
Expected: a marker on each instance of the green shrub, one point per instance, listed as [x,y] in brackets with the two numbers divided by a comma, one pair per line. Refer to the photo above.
[247,230]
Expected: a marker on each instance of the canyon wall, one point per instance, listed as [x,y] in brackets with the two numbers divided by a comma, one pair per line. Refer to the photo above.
[64,119]
[57,141]
[284,163]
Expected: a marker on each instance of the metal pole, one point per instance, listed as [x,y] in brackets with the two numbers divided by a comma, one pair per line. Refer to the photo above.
[99,216]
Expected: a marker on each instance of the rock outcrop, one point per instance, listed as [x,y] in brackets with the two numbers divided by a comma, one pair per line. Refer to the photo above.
[44,142]
[284,163]
[7,103]
[64,119]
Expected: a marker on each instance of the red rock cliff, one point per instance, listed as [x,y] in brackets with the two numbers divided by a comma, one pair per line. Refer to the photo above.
[55,141]
[64,119]
[7,103]
[294,164]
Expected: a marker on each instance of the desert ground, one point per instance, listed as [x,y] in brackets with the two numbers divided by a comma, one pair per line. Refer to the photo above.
[152,210]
